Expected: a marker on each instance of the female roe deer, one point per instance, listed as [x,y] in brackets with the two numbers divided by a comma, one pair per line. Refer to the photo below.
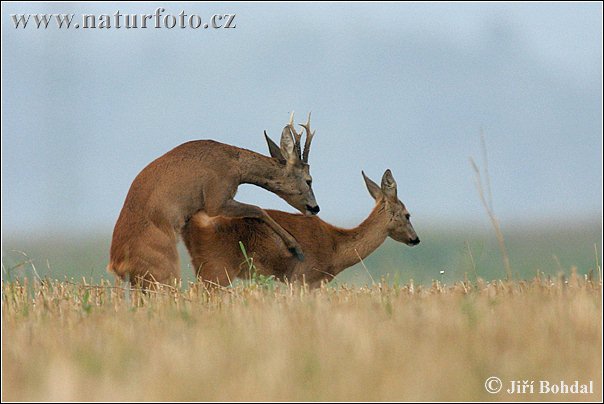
[204,175]
[213,242]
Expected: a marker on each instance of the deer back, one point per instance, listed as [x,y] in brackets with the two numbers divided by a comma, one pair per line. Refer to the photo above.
[216,239]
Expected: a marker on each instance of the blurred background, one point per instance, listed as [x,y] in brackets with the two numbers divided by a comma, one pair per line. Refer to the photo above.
[408,87]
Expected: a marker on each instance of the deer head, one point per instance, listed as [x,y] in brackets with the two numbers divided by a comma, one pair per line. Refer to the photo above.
[399,225]
[296,185]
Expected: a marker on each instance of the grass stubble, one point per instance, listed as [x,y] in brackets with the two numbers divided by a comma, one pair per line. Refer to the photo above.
[65,340]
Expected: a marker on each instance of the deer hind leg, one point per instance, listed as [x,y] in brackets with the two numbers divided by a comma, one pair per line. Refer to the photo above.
[161,272]
[150,261]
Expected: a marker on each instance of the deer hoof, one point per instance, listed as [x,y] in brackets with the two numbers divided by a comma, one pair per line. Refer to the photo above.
[297,252]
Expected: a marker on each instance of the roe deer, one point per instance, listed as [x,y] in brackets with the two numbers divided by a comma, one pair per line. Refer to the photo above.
[213,242]
[204,175]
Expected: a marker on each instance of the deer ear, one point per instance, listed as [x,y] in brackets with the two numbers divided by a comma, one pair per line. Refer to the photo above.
[388,184]
[273,149]
[372,187]
[287,145]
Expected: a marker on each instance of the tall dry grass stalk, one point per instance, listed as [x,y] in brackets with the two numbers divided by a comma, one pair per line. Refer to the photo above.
[486,197]
[82,341]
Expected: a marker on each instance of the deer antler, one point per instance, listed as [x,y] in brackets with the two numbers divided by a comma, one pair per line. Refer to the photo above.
[297,136]
[309,136]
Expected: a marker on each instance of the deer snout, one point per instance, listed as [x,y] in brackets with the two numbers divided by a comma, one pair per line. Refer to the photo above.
[415,241]
[313,209]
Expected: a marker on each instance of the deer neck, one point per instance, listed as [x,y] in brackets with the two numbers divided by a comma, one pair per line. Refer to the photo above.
[263,171]
[356,244]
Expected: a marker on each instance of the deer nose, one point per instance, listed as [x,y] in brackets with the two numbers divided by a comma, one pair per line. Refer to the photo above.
[415,241]
[313,209]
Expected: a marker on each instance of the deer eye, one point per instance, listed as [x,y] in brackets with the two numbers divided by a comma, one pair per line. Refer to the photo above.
[309,182]
[408,216]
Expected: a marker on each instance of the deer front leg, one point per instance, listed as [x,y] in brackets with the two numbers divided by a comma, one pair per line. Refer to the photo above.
[237,209]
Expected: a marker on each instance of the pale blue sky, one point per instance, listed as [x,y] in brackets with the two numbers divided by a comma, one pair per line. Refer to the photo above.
[400,86]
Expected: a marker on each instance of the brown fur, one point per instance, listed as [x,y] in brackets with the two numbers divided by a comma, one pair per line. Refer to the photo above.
[199,175]
[213,242]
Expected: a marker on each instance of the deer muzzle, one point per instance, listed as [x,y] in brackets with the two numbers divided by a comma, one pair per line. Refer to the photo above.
[415,241]
[313,210]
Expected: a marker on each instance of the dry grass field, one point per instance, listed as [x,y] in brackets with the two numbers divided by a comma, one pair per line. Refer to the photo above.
[262,340]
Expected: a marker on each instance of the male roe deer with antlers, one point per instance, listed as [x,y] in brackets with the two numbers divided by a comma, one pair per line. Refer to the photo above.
[204,175]
[217,258]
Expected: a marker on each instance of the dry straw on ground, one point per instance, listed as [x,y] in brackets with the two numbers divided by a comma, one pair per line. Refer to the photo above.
[266,341]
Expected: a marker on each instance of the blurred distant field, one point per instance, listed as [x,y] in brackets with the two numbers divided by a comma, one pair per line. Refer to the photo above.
[546,248]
